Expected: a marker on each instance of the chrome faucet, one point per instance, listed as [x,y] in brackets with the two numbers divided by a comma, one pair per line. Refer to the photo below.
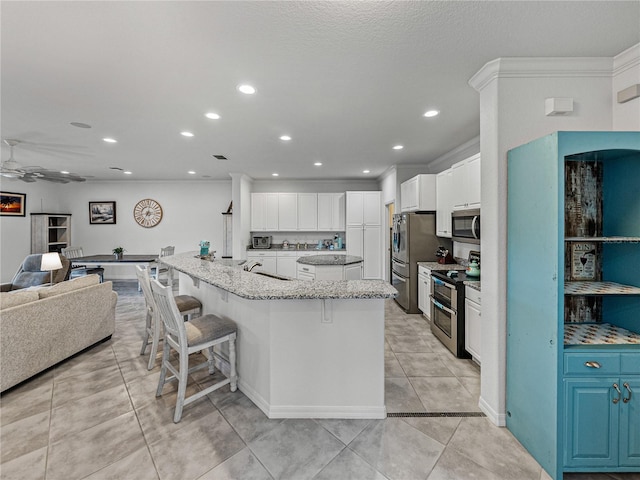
[250,266]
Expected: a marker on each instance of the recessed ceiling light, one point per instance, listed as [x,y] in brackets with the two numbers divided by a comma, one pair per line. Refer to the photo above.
[275,174]
[110,140]
[366,171]
[431,113]
[318,164]
[191,172]
[212,116]
[80,125]
[64,172]
[246,89]
[286,138]
[127,172]
[398,147]
[186,134]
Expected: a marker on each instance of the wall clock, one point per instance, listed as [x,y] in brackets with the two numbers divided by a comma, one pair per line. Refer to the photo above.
[147,213]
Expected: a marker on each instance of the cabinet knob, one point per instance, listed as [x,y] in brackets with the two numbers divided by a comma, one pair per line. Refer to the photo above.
[617,388]
[592,364]
[627,399]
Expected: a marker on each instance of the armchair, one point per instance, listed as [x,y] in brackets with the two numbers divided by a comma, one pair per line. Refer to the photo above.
[29,273]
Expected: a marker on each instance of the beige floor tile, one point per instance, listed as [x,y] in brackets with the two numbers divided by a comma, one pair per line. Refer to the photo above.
[400,397]
[31,397]
[24,436]
[452,465]
[451,395]
[423,365]
[30,466]
[96,358]
[138,466]
[242,466]
[408,344]
[438,428]
[72,388]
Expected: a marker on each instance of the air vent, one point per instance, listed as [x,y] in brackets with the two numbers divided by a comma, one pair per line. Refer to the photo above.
[220,157]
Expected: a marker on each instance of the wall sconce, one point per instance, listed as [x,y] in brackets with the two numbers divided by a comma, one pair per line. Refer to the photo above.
[558,106]
[50,262]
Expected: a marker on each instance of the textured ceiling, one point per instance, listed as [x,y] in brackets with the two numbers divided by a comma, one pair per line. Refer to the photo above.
[346,80]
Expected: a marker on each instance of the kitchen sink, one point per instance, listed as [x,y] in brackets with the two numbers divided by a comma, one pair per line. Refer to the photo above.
[273,275]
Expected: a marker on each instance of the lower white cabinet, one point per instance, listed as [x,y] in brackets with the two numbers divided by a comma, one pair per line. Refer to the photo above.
[424,290]
[329,272]
[286,263]
[472,323]
[268,260]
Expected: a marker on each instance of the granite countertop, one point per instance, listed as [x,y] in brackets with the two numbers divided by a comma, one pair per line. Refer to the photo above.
[320,260]
[442,267]
[253,286]
[475,284]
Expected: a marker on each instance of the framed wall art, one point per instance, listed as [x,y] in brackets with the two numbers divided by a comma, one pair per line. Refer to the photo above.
[102,213]
[13,204]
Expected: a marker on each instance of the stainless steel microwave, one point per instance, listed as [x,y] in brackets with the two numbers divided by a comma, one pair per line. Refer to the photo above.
[262,241]
[465,225]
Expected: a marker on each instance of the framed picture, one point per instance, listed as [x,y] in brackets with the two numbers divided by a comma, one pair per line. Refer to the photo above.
[102,213]
[12,204]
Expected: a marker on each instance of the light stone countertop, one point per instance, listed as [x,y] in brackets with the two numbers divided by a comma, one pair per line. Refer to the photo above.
[475,284]
[435,266]
[323,260]
[253,286]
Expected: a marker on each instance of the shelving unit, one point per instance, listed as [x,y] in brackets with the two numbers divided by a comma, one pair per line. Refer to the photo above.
[573,301]
[50,232]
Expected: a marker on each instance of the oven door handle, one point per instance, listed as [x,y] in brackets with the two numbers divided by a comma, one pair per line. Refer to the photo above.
[440,306]
[440,283]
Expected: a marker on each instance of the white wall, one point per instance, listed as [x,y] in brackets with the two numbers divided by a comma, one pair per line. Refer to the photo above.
[15,232]
[512,95]
[626,72]
[313,186]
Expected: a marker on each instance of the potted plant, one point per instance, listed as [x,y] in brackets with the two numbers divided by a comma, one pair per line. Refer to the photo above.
[118,252]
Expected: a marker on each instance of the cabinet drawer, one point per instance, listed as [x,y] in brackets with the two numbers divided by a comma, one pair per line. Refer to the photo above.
[602,363]
[311,269]
[473,295]
[424,270]
[293,254]
[630,363]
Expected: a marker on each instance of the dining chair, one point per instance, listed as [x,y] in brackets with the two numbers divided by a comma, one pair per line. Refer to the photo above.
[187,306]
[186,338]
[80,270]
[158,268]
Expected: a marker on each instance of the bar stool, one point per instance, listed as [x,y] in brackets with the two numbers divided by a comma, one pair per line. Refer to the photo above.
[191,337]
[187,306]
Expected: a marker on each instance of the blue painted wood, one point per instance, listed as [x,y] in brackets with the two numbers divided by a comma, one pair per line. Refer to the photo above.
[629,445]
[535,284]
[591,422]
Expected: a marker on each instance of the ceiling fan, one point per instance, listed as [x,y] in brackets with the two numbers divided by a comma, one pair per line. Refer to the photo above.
[12,169]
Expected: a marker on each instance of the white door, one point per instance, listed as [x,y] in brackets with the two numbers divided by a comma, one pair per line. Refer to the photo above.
[354,240]
[258,212]
[271,213]
[372,208]
[308,211]
[325,211]
[287,211]
[355,208]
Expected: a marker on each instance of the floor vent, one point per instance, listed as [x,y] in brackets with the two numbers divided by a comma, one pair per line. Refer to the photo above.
[437,414]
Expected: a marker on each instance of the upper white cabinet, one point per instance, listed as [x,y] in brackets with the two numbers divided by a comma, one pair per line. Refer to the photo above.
[364,231]
[264,211]
[418,194]
[331,211]
[444,203]
[287,211]
[466,182]
[307,211]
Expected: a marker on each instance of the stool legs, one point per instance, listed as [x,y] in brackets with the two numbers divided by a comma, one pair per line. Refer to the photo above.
[233,375]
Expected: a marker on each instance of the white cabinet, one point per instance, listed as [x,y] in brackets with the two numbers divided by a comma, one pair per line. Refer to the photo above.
[264,212]
[364,231]
[329,272]
[331,211]
[444,203]
[353,272]
[287,211]
[267,259]
[307,211]
[306,272]
[466,183]
[50,232]
[424,290]
[286,263]
[418,194]
[472,323]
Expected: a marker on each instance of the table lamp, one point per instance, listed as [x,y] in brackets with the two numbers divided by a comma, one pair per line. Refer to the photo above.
[50,262]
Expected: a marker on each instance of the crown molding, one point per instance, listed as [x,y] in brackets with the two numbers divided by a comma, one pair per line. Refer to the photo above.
[628,59]
[547,67]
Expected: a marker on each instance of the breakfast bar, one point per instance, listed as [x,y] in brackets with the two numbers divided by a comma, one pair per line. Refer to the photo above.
[305,349]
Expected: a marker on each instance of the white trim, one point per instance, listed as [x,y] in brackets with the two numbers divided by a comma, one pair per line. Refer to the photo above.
[322,411]
[498,419]
[625,60]
[254,396]
[544,67]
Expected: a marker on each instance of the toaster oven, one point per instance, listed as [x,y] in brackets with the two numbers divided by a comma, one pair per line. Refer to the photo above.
[261,241]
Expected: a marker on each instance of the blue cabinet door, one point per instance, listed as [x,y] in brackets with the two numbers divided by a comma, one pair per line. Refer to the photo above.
[630,423]
[591,422]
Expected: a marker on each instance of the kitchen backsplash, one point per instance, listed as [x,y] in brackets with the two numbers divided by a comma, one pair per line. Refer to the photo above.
[311,238]
[461,251]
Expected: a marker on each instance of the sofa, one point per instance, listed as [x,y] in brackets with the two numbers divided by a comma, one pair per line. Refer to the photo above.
[41,326]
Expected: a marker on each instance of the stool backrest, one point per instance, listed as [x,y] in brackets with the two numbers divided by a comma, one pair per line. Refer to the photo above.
[169,313]
[145,284]
[72,252]
[166,251]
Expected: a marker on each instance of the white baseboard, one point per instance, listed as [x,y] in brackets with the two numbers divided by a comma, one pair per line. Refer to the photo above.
[320,411]
[498,419]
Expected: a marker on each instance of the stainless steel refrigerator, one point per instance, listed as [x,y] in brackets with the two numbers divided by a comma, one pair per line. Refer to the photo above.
[413,240]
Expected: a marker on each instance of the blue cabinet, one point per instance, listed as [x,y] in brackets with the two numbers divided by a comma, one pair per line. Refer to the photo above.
[568,420]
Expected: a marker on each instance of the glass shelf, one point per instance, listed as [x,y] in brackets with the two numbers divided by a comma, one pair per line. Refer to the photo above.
[599,288]
[604,239]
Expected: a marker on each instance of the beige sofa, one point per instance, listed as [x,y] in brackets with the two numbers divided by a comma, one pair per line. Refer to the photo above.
[41,326]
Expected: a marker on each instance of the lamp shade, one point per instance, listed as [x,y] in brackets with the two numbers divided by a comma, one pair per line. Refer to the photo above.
[50,261]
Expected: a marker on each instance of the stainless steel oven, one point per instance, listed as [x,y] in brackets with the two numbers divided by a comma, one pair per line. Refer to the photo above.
[447,311]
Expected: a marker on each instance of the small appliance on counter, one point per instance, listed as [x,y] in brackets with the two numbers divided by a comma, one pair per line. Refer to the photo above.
[473,269]
[261,241]
[285,244]
[444,257]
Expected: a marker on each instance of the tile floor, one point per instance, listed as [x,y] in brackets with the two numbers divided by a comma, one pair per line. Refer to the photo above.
[96,417]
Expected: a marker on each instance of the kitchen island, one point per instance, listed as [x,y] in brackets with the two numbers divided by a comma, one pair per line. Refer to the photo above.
[330,267]
[305,349]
